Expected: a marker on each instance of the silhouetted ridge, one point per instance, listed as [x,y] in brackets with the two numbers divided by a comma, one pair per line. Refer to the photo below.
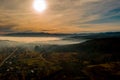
[34,34]
[106,45]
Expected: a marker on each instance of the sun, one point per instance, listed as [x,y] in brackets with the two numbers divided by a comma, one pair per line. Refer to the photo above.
[39,5]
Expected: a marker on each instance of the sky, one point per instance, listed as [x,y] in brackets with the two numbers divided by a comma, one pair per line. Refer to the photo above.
[60,16]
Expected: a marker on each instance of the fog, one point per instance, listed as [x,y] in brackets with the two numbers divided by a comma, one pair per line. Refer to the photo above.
[41,40]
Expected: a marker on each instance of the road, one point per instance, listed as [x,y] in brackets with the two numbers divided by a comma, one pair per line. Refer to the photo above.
[7,57]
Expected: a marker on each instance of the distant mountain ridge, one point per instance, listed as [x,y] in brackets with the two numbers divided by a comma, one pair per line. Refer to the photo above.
[96,35]
[70,35]
[34,34]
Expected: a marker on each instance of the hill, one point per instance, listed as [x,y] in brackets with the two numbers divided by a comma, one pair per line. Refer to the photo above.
[34,34]
[95,35]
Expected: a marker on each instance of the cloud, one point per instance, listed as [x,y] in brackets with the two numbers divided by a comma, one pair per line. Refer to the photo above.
[61,15]
[6,28]
[81,11]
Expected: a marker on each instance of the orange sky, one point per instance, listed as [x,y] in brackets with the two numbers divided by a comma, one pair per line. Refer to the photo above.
[61,16]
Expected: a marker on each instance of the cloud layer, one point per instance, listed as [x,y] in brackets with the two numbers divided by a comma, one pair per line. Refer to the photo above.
[61,16]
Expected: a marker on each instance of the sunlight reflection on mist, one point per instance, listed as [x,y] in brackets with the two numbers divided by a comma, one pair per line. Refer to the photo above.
[41,40]
[29,39]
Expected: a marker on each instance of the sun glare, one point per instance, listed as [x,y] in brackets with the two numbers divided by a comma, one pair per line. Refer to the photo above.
[39,5]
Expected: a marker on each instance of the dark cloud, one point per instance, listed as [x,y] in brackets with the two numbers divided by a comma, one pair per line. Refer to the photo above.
[7,28]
